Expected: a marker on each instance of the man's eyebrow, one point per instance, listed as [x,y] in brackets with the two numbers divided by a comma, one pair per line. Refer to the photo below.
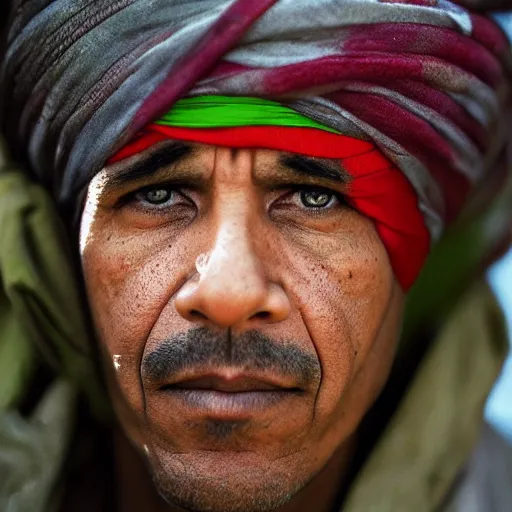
[314,167]
[157,159]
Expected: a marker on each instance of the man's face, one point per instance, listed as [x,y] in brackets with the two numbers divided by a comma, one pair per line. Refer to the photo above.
[247,316]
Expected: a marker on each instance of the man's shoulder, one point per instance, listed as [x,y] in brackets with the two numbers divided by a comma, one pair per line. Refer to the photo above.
[486,483]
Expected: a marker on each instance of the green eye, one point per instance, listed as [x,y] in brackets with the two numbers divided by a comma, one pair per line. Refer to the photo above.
[319,198]
[157,196]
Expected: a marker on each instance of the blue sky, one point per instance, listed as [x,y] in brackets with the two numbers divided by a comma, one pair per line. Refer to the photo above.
[499,405]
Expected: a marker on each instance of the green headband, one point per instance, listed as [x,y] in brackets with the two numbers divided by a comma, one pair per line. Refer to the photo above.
[232,111]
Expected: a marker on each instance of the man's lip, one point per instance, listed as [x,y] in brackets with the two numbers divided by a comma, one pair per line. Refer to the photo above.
[230,381]
[228,405]
[230,394]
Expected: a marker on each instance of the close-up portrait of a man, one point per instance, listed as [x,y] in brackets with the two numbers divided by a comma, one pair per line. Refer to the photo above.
[243,254]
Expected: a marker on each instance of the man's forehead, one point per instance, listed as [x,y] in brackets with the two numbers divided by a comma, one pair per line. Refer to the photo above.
[184,157]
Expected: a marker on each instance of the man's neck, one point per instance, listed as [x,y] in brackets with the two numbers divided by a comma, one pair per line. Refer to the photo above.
[135,490]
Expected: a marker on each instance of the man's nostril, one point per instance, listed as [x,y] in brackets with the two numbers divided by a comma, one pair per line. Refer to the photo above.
[261,315]
[198,315]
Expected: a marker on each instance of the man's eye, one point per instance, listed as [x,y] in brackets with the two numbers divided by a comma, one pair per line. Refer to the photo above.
[156,196]
[317,198]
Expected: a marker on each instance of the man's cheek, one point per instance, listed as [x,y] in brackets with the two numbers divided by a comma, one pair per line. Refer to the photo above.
[121,338]
[344,323]
[127,296]
[123,316]
[361,284]
[122,289]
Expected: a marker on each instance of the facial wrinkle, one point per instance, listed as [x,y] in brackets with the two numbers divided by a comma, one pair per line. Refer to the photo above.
[319,359]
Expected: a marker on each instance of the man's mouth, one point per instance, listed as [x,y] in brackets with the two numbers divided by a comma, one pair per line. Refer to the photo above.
[229,395]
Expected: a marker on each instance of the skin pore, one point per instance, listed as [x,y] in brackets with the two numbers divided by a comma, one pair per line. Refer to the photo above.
[247,317]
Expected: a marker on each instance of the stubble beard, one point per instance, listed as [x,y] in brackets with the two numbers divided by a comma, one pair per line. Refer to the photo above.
[195,492]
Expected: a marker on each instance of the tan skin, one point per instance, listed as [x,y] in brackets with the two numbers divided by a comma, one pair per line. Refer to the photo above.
[231,243]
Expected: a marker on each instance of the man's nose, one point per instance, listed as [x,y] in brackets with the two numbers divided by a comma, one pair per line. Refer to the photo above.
[231,289]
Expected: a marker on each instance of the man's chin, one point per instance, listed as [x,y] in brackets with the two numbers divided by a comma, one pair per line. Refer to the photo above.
[221,481]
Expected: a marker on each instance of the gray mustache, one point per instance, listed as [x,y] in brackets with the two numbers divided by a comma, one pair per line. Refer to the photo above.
[253,351]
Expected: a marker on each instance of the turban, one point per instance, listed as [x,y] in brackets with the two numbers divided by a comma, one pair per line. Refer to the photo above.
[423,82]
